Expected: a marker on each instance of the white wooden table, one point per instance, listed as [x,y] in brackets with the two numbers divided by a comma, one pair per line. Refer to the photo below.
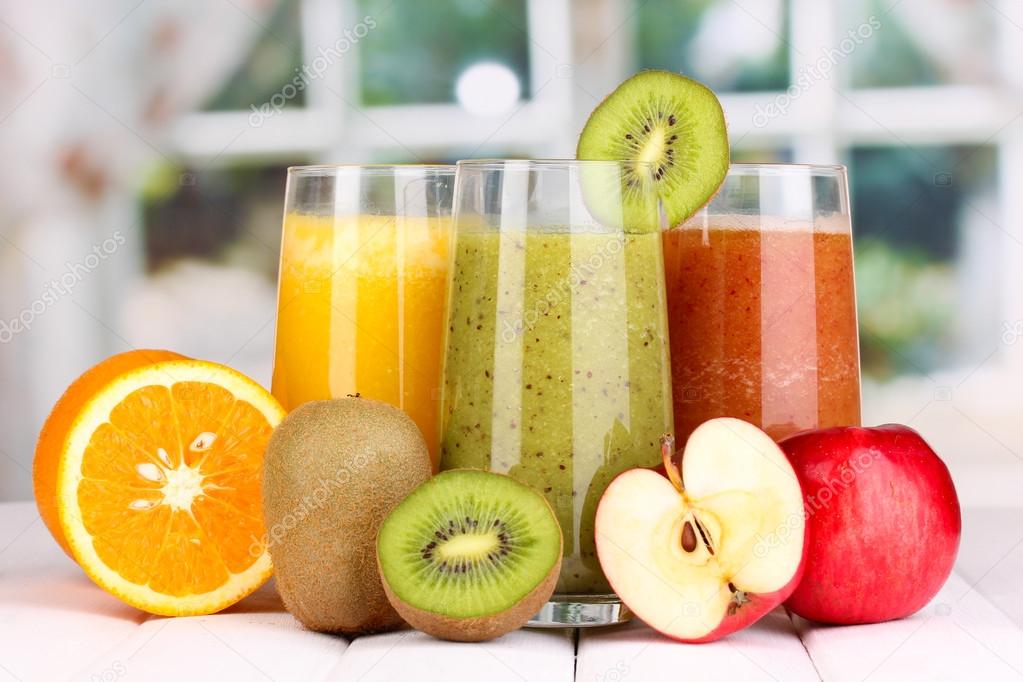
[56,625]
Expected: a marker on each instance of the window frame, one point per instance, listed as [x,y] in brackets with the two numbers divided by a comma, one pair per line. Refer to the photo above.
[822,123]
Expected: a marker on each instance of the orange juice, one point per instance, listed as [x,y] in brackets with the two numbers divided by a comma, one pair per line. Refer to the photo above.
[361,310]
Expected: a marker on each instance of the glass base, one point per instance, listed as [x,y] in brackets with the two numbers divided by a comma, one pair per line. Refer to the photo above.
[581,611]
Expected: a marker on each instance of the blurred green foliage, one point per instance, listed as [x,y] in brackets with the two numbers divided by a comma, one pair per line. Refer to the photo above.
[889,58]
[902,52]
[668,29]
[207,213]
[907,204]
[906,305]
[418,49]
[271,63]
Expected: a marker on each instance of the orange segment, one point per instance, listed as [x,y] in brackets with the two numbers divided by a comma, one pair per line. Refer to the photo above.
[157,484]
[57,425]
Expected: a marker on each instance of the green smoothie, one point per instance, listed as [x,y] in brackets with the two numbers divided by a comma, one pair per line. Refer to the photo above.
[557,369]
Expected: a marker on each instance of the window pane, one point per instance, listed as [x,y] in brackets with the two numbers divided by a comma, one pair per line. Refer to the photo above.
[924,42]
[274,61]
[417,50]
[211,250]
[690,37]
[761,155]
[225,215]
[926,239]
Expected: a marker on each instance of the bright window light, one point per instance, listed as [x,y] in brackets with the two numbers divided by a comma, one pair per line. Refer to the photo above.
[488,89]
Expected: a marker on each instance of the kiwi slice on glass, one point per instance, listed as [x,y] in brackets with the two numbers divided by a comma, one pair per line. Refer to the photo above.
[469,555]
[672,129]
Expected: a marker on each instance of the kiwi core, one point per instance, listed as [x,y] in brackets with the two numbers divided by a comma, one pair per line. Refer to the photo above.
[653,149]
[474,546]
[460,545]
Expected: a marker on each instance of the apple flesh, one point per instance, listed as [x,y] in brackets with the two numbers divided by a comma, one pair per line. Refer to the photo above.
[713,545]
[883,523]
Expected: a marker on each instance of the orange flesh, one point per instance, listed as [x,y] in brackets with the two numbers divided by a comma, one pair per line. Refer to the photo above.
[167,506]
[361,310]
[55,430]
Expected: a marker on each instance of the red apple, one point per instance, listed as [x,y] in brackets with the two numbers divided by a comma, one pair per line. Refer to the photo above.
[882,519]
[712,546]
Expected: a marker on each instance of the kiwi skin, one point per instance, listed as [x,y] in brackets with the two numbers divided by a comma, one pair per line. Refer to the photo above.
[333,470]
[480,628]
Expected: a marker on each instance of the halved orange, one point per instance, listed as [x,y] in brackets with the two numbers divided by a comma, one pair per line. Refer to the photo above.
[148,473]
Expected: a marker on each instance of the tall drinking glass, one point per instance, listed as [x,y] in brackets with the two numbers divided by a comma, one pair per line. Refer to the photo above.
[363,277]
[762,305]
[556,369]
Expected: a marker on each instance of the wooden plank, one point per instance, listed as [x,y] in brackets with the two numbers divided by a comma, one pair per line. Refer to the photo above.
[532,655]
[56,624]
[255,640]
[991,556]
[46,600]
[960,635]
[769,650]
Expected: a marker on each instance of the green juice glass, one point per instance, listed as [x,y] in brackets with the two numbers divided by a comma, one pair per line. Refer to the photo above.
[556,368]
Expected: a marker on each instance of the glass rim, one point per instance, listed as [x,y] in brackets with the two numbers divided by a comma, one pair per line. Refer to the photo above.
[329,169]
[549,164]
[819,169]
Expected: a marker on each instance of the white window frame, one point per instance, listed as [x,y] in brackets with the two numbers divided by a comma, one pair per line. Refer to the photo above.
[820,124]
[580,49]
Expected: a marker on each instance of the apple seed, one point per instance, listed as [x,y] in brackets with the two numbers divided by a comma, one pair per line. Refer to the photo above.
[688,537]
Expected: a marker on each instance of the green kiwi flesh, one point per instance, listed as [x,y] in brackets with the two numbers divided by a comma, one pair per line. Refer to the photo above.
[673,130]
[470,555]
[333,470]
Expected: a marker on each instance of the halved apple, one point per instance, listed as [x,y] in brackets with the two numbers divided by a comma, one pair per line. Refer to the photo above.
[712,547]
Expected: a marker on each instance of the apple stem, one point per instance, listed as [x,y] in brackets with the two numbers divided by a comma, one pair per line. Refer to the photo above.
[668,457]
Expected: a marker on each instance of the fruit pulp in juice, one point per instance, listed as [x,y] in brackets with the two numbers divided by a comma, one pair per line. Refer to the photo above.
[557,370]
[762,323]
[361,310]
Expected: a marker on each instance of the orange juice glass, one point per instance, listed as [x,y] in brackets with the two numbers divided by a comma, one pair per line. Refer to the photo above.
[362,288]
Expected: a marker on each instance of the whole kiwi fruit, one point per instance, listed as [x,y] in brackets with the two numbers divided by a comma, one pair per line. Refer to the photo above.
[333,470]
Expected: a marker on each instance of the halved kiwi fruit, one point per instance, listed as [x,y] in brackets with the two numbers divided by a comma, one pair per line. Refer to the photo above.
[469,555]
[673,129]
